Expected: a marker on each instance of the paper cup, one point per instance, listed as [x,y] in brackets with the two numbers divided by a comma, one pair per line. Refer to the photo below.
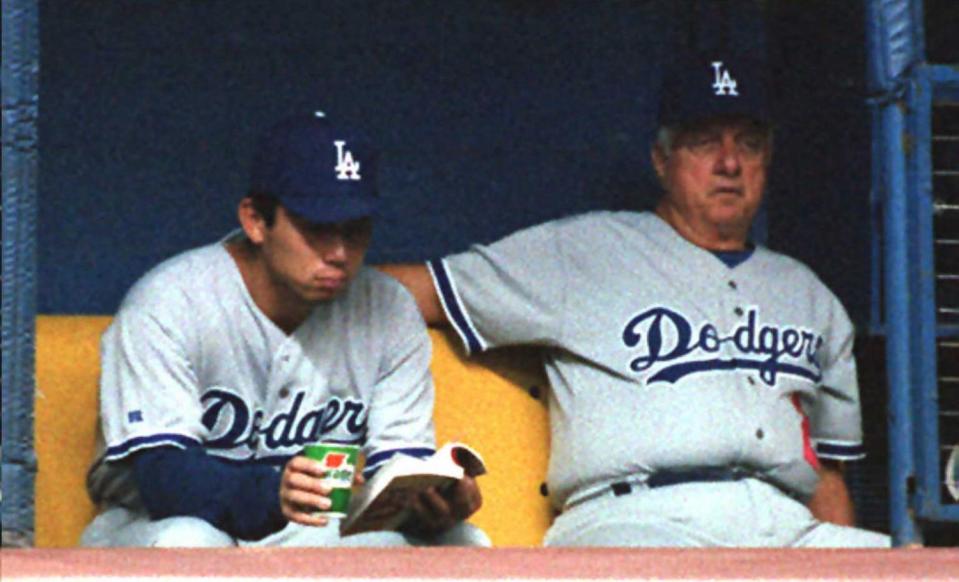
[339,465]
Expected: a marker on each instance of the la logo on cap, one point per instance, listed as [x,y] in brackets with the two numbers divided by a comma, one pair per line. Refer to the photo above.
[346,167]
[724,83]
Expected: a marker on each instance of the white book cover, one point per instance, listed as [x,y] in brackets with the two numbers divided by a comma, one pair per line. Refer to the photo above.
[383,503]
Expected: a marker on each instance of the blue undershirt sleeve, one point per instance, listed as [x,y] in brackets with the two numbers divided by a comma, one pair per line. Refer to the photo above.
[241,500]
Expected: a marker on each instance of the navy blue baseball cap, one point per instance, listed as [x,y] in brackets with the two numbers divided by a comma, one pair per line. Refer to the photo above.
[706,86]
[321,172]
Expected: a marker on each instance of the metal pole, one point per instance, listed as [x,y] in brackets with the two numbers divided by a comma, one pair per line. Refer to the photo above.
[899,333]
[20,72]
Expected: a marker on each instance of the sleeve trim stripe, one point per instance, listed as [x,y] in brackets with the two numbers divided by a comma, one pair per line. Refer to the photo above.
[842,457]
[452,305]
[835,450]
[380,457]
[351,441]
[840,443]
[145,442]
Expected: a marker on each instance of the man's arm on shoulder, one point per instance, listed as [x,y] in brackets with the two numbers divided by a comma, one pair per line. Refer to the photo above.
[417,280]
[831,502]
[434,510]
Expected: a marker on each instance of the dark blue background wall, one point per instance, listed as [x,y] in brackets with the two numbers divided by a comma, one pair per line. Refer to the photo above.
[492,115]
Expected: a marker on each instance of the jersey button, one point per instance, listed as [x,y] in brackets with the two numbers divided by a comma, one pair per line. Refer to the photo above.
[738,311]
[751,380]
[760,434]
[284,392]
[732,285]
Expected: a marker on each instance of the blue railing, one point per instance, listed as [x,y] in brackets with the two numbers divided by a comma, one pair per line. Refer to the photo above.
[904,91]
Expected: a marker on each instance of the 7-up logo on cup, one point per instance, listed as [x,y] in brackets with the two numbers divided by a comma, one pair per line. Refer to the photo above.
[339,469]
[339,465]
[333,460]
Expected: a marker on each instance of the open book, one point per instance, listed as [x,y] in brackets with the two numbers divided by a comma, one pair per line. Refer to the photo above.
[384,502]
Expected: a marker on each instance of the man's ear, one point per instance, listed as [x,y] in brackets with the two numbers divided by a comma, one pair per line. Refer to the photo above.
[768,161]
[252,222]
[659,163]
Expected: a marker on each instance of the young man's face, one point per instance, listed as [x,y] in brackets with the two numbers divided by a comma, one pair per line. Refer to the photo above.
[716,173]
[314,261]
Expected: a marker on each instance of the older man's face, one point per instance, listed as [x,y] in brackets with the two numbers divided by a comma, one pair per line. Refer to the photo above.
[716,173]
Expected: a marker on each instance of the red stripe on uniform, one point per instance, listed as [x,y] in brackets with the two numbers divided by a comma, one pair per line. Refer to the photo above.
[807,449]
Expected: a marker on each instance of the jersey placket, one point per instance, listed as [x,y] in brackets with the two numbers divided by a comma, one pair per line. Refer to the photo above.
[281,369]
[284,379]
[736,304]
[736,307]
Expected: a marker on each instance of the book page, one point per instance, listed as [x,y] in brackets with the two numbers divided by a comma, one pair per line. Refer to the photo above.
[383,503]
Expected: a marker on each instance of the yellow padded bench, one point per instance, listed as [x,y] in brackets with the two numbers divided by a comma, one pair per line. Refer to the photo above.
[485,401]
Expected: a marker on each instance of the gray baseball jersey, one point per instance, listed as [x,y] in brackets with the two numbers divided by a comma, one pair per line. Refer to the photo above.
[659,355]
[191,360]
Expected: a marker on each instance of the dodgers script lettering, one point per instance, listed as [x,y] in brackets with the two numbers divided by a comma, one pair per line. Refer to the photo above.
[670,347]
[236,426]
